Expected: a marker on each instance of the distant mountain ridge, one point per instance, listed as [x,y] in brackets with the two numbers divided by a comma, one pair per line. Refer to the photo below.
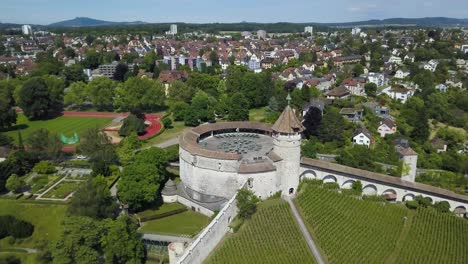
[422,22]
[91,22]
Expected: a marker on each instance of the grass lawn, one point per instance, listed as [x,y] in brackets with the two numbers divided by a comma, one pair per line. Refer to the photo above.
[46,219]
[186,223]
[167,134]
[63,189]
[42,182]
[59,125]
[435,128]
[162,209]
[257,114]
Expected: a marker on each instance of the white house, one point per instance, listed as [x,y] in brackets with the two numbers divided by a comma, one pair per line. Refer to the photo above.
[398,93]
[254,64]
[377,78]
[431,65]
[362,136]
[396,60]
[401,74]
[442,87]
[386,127]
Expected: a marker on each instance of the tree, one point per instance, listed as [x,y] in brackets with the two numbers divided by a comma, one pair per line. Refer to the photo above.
[332,126]
[204,82]
[371,89]
[34,98]
[132,124]
[442,206]
[93,200]
[358,70]
[178,110]
[44,167]
[357,186]
[43,142]
[92,59]
[76,94]
[78,241]
[7,112]
[15,183]
[312,120]
[5,140]
[140,180]
[120,72]
[73,74]
[55,86]
[127,148]
[139,93]
[101,92]
[247,203]
[149,61]
[238,108]
[201,109]
[180,92]
[97,146]
[121,242]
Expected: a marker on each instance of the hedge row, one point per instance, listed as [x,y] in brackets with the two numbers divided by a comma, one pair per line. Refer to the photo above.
[11,226]
[165,214]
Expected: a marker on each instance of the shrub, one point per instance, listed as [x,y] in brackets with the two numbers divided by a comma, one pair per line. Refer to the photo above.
[236,224]
[412,204]
[44,167]
[357,187]
[167,122]
[14,183]
[247,203]
[11,226]
[10,259]
[443,206]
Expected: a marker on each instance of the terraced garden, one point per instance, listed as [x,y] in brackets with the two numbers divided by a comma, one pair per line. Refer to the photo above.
[350,230]
[271,236]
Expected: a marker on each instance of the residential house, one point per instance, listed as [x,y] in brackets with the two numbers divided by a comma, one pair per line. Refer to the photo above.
[401,74]
[398,93]
[378,110]
[409,57]
[352,114]
[431,65]
[254,64]
[363,137]
[168,77]
[353,59]
[386,127]
[442,87]
[377,78]
[354,86]
[338,93]
[439,144]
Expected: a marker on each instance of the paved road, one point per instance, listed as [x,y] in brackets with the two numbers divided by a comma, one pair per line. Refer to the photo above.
[171,142]
[304,231]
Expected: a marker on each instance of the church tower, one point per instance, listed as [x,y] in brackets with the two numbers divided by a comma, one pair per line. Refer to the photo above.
[287,144]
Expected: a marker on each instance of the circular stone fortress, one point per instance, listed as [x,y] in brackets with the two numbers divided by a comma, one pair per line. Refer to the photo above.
[218,159]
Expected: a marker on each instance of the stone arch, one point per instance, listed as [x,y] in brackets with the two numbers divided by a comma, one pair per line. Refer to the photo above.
[347,184]
[329,178]
[390,194]
[408,197]
[308,174]
[369,189]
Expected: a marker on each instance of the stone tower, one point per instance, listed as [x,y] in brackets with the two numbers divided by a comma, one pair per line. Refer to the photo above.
[287,144]
[410,160]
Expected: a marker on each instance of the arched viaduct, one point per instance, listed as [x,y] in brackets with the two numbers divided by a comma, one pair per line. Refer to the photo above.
[379,184]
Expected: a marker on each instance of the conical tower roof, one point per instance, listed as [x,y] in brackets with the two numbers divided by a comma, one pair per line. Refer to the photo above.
[169,188]
[288,123]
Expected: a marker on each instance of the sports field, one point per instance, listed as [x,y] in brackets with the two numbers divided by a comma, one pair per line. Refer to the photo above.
[66,125]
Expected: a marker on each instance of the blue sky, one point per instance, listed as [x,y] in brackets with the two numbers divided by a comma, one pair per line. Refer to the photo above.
[48,11]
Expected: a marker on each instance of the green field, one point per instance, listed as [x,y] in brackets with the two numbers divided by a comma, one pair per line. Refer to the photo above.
[164,208]
[168,133]
[46,219]
[350,230]
[257,114]
[59,125]
[271,236]
[186,223]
